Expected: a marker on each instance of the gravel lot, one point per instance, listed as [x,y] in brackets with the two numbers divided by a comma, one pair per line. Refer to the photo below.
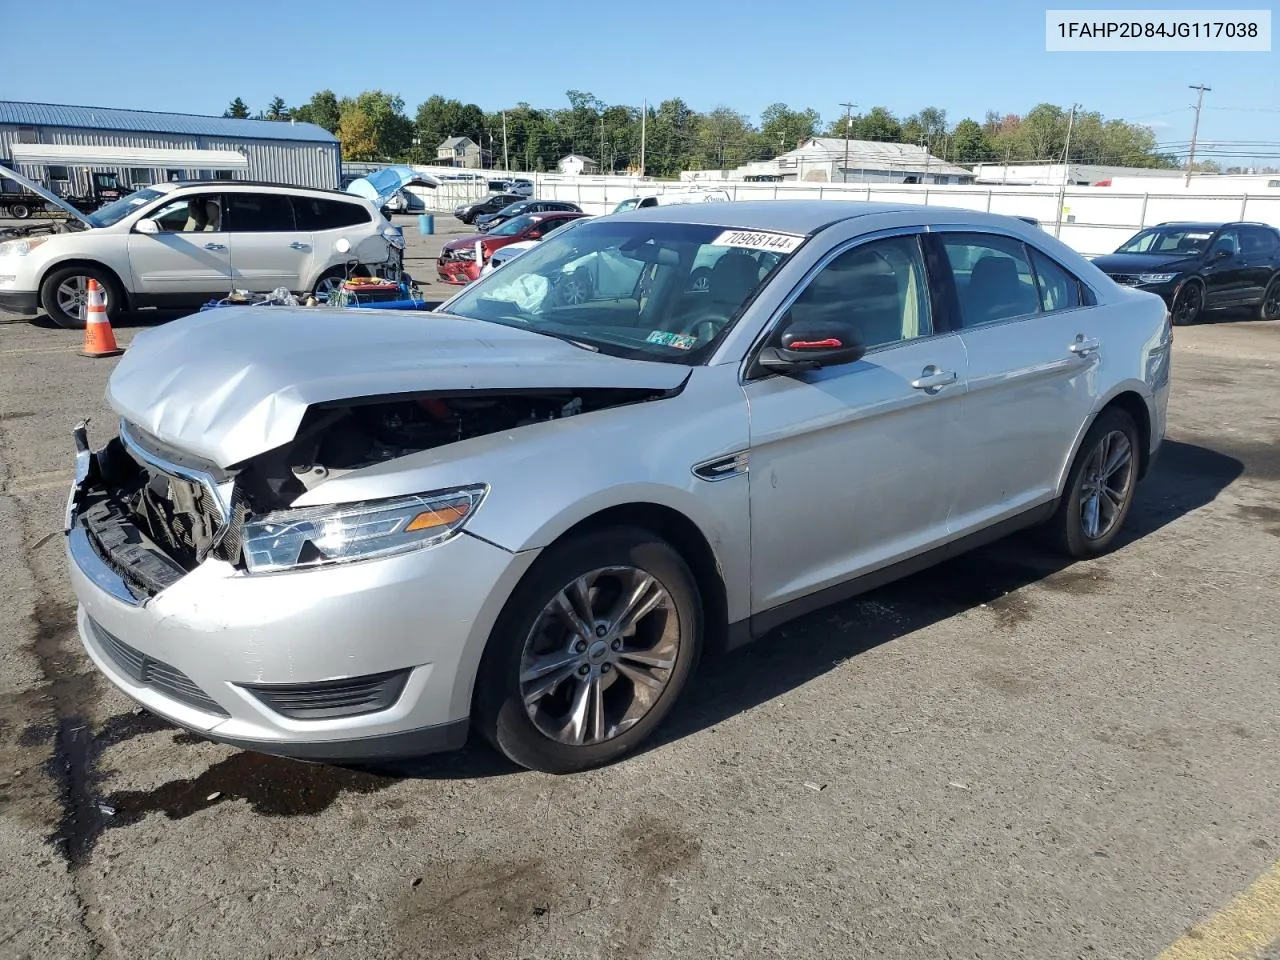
[1001,757]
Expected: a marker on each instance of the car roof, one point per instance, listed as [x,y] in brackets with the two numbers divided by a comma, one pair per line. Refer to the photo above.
[801,217]
[253,185]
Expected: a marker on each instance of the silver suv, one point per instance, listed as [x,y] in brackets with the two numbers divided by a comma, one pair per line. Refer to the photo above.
[530,512]
[181,244]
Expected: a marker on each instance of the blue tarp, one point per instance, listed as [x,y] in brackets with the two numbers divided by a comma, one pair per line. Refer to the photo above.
[381,185]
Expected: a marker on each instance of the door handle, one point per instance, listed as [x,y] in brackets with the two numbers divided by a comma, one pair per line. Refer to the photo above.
[931,378]
[1085,346]
[215,246]
[299,246]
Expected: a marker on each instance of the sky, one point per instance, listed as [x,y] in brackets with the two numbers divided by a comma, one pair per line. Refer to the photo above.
[965,57]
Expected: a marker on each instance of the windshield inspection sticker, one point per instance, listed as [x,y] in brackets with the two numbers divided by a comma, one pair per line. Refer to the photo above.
[677,340]
[751,240]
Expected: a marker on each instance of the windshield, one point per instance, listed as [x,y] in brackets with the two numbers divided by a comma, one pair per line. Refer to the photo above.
[626,205]
[117,210]
[512,209]
[512,227]
[1184,241]
[650,291]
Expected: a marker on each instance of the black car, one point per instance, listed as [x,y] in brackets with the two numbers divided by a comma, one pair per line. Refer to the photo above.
[521,207]
[1202,266]
[468,212]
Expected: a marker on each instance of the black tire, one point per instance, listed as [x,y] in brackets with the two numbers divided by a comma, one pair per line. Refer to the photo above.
[575,288]
[500,712]
[700,280]
[336,273]
[49,294]
[1188,305]
[20,211]
[1269,309]
[1067,531]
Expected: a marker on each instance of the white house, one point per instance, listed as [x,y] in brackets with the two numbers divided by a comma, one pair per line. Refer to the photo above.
[576,164]
[835,160]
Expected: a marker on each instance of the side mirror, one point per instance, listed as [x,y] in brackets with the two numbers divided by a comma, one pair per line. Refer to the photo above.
[535,234]
[342,245]
[808,346]
[147,226]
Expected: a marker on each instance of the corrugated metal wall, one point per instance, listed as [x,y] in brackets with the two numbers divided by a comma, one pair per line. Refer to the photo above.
[307,164]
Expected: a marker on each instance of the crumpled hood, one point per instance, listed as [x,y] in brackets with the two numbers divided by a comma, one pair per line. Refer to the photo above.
[232,382]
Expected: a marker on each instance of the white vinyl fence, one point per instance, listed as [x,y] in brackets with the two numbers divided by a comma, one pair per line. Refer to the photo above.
[1091,220]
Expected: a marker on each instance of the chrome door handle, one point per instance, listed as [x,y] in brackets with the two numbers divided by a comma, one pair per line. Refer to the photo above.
[215,246]
[931,378]
[299,246]
[1085,346]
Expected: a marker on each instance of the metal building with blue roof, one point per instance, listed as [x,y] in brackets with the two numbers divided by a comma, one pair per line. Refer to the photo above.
[281,151]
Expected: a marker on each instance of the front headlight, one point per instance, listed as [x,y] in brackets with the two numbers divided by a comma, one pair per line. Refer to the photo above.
[20,248]
[466,253]
[312,536]
[1155,277]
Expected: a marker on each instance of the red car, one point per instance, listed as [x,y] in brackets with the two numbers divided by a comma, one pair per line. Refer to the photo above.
[457,263]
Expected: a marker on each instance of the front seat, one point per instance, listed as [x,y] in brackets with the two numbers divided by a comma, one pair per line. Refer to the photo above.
[732,279]
[214,210]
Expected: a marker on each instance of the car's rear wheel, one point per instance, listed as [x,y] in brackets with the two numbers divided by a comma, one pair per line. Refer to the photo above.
[332,279]
[1100,487]
[1270,308]
[1188,305]
[591,652]
[65,294]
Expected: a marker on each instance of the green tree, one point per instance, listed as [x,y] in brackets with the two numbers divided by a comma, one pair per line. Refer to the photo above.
[276,110]
[321,109]
[437,119]
[969,143]
[724,139]
[356,132]
[782,129]
[237,109]
[876,124]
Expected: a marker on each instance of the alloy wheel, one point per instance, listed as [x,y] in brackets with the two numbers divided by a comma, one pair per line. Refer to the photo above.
[599,656]
[1271,302]
[1189,304]
[73,296]
[327,287]
[1106,485]
[574,290]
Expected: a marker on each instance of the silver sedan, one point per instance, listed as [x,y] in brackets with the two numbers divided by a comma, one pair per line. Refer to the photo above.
[360,535]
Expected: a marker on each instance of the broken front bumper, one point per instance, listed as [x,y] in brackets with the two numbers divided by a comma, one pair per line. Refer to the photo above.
[366,660]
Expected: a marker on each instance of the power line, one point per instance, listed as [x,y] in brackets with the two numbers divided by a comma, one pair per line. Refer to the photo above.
[1195,129]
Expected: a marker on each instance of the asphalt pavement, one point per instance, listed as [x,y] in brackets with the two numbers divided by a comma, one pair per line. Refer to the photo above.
[1002,757]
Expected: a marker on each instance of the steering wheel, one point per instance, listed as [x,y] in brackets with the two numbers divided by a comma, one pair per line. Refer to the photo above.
[708,326]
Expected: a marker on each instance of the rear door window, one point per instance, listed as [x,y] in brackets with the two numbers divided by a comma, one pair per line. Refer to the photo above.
[258,213]
[993,277]
[315,213]
[1059,289]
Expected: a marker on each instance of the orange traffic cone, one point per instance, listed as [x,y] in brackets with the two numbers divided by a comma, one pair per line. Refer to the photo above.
[99,341]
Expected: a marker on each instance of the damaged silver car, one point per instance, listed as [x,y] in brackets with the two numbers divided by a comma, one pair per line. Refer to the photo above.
[357,536]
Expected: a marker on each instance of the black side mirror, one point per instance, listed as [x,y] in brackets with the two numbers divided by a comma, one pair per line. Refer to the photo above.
[807,346]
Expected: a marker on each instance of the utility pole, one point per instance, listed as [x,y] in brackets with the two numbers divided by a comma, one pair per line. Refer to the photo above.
[644,115]
[1066,170]
[1195,128]
[602,144]
[848,126]
[506,157]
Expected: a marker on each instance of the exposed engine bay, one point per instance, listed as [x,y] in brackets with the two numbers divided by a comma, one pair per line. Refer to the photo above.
[40,228]
[156,513]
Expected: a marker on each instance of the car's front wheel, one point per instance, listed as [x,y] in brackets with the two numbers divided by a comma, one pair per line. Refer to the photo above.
[591,652]
[65,294]
[1100,487]
[20,211]
[1188,305]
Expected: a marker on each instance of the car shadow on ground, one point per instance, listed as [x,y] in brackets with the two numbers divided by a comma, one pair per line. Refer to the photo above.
[1186,477]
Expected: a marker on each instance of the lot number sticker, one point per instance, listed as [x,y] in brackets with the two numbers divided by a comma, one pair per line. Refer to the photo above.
[750,240]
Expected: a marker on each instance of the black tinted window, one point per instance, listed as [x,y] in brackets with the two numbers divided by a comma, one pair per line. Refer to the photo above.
[1258,240]
[992,276]
[1059,290]
[314,213]
[258,213]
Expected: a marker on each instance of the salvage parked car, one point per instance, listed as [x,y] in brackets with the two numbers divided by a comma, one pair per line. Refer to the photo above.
[181,244]
[1197,267]
[490,220]
[468,212]
[530,517]
[508,252]
[457,261]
